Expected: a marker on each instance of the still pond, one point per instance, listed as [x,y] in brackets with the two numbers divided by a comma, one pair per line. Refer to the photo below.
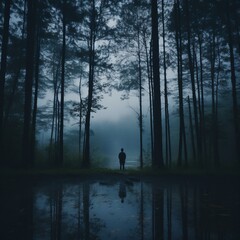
[120,207]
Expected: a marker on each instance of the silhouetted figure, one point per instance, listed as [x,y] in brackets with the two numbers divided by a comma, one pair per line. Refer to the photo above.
[122,158]
[122,191]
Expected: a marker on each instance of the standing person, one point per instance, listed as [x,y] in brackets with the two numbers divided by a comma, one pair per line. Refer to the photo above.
[122,158]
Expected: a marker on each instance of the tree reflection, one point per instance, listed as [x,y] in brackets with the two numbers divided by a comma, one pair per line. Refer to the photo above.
[86,204]
[92,211]
[184,210]
[169,212]
[157,212]
[56,212]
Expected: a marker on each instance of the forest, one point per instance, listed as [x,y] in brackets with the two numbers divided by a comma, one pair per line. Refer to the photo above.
[179,58]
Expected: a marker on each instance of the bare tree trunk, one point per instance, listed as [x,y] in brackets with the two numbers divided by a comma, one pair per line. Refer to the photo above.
[233,80]
[61,143]
[191,68]
[202,117]
[54,113]
[195,63]
[157,115]
[140,102]
[86,151]
[35,103]
[167,122]
[80,119]
[214,117]
[31,28]
[5,38]
[182,132]
[149,74]
[217,163]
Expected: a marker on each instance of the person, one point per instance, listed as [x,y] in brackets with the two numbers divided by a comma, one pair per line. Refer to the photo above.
[122,158]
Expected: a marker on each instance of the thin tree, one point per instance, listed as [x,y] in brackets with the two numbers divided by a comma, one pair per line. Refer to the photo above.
[149,74]
[167,121]
[61,146]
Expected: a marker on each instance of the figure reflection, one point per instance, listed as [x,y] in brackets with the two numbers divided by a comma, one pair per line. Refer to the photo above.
[122,191]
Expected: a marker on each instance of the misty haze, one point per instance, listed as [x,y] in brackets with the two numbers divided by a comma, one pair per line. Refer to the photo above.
[120,111]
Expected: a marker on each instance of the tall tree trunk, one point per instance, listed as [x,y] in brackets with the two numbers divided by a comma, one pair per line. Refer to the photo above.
[233,80]
[140,101]
[61,143]
[191,68]
[80,119]
[217,163]
[35,102]
[195,63]
[31,28]
[202,117]
[5,38]
[86,151]
[182,133]
[167,121]
[149,74]
[157,114]
[214,118]
[52,148]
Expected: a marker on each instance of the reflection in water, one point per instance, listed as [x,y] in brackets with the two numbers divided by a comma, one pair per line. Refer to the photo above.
[92,210]
[122,191]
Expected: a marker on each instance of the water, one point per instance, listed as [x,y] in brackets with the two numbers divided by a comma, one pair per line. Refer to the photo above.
[120,207]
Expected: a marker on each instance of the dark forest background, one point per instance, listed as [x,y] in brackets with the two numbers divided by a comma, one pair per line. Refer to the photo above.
[178,53]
